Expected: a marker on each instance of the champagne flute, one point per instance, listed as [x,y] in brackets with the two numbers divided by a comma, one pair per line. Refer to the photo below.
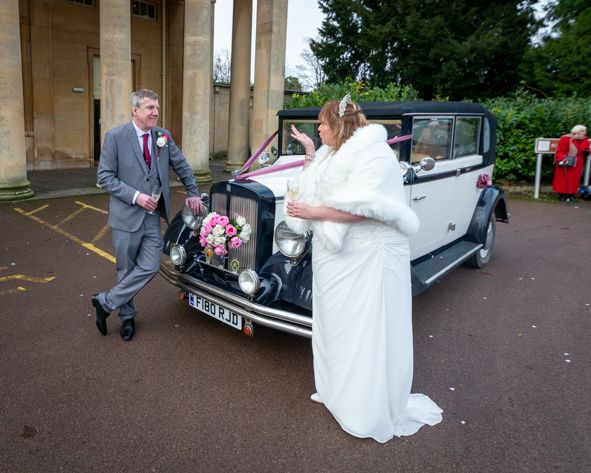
[156,193]
[293,189]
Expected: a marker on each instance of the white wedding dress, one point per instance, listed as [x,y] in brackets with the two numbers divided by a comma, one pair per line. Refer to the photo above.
[362,304]
[362,336]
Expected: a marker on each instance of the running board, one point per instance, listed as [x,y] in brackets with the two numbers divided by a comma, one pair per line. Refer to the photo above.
[432,269]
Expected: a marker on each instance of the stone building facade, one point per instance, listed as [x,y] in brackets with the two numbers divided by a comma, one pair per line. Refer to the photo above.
[67,68]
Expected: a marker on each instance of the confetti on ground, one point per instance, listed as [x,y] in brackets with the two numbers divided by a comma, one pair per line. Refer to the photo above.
[88,315]
[567,360]
[484,297]
[587,305]
[534,326]
[566,354]
[521,279]
[430,336]
[463,422]
[533,279]
[452,389]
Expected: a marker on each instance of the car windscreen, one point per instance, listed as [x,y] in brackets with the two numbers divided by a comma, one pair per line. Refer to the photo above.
[291,146]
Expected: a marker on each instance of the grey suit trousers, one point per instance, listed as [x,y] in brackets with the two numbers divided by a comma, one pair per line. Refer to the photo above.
[138,260]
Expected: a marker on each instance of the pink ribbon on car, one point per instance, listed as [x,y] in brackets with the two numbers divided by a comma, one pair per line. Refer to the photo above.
[295,164]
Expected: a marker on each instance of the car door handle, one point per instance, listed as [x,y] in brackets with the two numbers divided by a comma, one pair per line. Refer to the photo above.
[419,198]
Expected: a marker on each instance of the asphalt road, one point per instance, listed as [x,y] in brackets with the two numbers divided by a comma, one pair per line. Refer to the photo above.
[504,351]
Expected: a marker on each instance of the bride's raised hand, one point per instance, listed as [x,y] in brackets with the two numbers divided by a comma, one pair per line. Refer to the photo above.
[304,139]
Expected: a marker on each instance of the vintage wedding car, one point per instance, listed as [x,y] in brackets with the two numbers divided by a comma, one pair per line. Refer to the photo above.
[242,265]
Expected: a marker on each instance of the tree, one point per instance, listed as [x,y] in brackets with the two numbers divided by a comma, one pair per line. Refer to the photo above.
[561,64]
[455,49]
[311,73]
[222,67]
[293,83]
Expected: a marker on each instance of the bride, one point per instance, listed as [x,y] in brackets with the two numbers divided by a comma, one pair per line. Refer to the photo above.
[351,195]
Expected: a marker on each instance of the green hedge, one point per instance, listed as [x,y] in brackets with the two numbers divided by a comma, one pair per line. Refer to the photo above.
[521,119]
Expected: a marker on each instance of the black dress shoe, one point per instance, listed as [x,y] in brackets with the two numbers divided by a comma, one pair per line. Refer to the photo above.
[101,315]
[127,329]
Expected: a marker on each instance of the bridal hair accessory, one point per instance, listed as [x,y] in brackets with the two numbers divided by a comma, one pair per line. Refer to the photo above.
[343,104]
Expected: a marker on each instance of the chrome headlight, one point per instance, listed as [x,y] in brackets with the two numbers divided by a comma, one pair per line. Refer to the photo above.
[178,255]
[290,243]
[249,282]
[193,221]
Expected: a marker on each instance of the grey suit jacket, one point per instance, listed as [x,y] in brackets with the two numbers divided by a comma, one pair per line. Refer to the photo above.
[122,171]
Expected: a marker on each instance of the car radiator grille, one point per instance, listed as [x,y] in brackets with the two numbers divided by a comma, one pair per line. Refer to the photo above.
[248,208]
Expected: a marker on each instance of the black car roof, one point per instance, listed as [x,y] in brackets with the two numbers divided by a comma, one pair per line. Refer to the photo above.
[393,109]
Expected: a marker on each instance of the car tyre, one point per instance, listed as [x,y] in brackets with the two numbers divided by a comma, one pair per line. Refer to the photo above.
[481,258]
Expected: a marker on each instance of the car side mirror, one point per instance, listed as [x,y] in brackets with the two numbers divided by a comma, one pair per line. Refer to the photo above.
[274,152]
[426,164]
[264,159]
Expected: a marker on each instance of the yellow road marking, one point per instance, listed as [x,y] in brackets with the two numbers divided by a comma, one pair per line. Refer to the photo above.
[23,277]
[86,206]
[12,291]
[37,210]
[55,228]
[98,251]
[71,216]
[101,233]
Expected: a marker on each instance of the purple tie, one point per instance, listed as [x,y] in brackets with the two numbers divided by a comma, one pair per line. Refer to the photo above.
[147,151]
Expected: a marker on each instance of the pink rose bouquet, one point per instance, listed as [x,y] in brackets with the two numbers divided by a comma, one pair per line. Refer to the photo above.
[219,233]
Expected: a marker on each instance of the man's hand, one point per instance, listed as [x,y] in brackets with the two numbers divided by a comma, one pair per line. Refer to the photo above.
[194,203]
[146,201]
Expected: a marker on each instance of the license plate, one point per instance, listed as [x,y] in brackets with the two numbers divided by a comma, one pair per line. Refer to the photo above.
[217,312]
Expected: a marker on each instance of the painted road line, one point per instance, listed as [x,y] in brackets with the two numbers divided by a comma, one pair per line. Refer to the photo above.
[37,210]
[101,233]
[23,277]
[12,291]
[92,207]
[84,244]
[70,217]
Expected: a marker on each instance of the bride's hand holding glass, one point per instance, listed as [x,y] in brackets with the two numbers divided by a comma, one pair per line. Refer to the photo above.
[299,210]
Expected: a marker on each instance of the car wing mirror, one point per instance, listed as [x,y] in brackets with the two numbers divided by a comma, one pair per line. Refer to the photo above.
[274,152]
[426,164]
[409,171]
[264,159]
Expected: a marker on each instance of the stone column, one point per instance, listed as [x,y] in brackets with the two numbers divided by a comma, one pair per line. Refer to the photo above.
[269,70]
[197,87]
[238,127]
[115,44]
[13,157]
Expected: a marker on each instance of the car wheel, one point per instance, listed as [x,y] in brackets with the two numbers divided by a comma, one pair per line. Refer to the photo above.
[481,258]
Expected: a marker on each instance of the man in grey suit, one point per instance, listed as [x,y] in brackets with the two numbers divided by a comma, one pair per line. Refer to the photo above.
[135,157]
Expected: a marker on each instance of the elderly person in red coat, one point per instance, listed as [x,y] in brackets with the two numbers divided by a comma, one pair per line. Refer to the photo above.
[567,177]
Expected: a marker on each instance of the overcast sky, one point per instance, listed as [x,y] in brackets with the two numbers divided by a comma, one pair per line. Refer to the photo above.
[303,20]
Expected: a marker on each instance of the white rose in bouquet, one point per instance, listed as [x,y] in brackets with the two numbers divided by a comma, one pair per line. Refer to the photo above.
[240,220]
[218,230]
[245,233]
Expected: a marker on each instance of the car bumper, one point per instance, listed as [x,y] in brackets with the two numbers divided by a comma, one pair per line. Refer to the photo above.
[269,317]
